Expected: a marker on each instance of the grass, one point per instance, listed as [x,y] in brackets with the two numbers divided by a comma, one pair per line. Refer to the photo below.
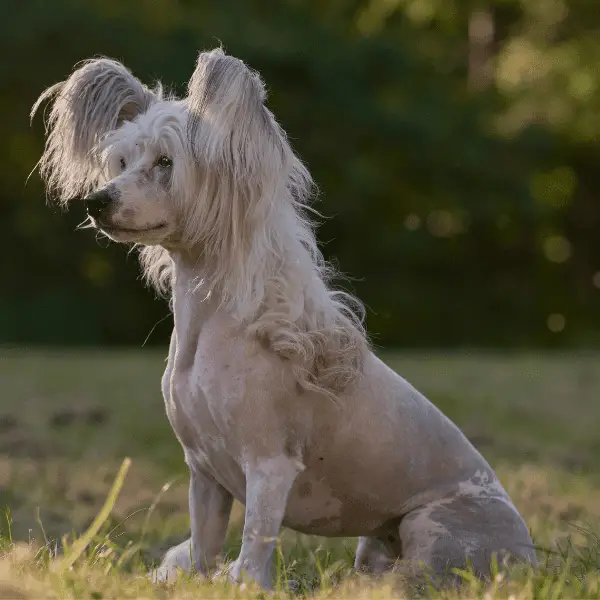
[68,419]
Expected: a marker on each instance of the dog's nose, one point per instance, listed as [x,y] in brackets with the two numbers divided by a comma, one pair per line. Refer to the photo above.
[97,202]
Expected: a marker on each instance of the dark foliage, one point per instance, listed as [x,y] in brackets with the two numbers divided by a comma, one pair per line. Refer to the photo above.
[466,216]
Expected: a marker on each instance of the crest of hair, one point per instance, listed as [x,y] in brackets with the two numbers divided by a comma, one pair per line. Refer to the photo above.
[247,208]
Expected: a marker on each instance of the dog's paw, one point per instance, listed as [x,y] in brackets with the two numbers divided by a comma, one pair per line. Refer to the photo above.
[176,561]
[228,572]
[245,578]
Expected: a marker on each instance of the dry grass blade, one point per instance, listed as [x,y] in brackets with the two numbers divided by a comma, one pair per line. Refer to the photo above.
[81,543]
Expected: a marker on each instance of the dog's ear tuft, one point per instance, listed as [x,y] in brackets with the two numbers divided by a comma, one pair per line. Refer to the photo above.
[93,101]
[229,122]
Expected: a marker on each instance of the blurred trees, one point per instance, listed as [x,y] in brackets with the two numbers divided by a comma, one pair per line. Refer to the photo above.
[454,143]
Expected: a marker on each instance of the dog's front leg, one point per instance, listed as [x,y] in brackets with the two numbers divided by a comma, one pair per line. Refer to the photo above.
[210,507]
[268,483]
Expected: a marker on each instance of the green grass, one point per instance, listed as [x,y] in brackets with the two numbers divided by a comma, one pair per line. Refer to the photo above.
[68,419]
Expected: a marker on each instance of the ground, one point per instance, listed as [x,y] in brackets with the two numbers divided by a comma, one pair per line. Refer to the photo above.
[68,419]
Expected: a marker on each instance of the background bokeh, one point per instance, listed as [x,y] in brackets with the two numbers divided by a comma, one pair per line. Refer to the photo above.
[456,146]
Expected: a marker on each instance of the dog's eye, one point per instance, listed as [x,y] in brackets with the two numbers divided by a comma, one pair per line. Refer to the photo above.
[122,163]
[165,162]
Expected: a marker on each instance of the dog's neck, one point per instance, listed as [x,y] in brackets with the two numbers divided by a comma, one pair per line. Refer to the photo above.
[293,294]
[192,303]
[296,315]
[192,297]
[286,274]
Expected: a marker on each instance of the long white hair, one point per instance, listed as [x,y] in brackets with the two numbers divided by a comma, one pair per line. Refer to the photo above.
[242,197]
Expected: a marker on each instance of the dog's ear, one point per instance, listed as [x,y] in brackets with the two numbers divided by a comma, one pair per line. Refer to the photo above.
[93,101]
[243,156]
[230,127]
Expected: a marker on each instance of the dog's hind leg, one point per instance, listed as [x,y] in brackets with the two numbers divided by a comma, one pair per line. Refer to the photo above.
[377,554]
[464,532]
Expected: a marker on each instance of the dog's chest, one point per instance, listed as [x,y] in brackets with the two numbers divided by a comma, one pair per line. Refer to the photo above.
[203,427]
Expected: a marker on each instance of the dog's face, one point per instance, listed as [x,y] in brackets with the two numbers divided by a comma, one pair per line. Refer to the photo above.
[142,160]
[205,172]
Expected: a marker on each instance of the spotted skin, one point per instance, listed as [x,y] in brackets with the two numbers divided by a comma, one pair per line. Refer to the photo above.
[384,465]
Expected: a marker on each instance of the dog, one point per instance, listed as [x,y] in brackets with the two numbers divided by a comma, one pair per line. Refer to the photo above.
[271,387]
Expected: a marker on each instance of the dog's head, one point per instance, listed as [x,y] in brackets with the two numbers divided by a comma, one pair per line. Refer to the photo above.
[157,170]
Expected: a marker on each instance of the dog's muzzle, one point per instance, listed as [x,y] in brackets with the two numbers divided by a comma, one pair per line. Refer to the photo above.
[97,203]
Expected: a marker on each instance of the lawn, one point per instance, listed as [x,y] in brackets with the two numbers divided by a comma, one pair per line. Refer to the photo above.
[68,419]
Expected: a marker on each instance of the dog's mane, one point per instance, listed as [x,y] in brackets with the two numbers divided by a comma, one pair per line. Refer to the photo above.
[292,305]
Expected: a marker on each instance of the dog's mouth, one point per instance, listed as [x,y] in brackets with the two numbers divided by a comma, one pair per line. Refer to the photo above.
[113,229]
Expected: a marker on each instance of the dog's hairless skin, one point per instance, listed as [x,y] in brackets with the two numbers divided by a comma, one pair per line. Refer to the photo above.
[383,463]
[281,406]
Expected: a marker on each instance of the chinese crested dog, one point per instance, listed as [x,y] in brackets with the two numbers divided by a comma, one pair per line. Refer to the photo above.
[271,386]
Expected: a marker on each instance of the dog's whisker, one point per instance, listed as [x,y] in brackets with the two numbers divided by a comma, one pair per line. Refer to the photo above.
[85,224]
[101,237]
